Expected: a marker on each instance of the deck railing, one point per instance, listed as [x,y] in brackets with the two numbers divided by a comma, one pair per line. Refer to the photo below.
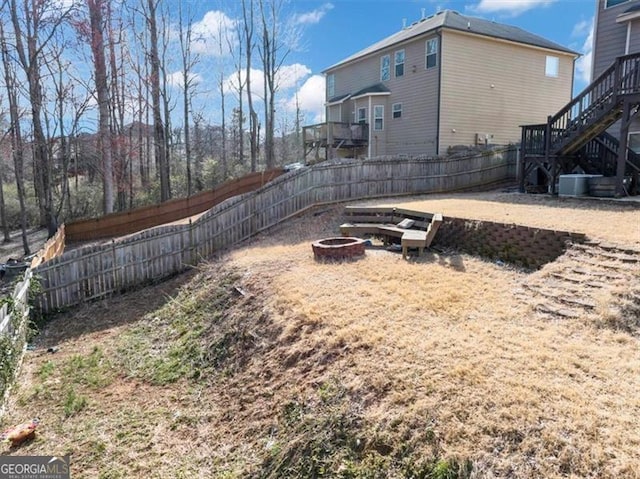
[331,132]
[595,102]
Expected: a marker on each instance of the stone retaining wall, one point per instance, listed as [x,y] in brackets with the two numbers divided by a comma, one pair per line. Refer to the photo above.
[520,245]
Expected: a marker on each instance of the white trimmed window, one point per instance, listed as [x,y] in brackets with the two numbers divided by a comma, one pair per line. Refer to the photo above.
[399,63]
[552,66]
[431,53]
[385,68]
[331,86]
[397,110]
[362,115]
[378,117]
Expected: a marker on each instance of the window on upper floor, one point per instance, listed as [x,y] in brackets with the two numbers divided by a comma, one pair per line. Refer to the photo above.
[397,110]
[362,115]
[431,53]
[385,68]
[552,66]
[399,63]
[378,117]
[613,3]
[331,86]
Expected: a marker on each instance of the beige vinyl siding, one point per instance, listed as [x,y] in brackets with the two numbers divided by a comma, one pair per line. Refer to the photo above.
[493,87]
[611,37]
[334,113]
[416,132]
[358,75]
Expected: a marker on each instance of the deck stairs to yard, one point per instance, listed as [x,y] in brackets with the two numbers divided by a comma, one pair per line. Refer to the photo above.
[576,135]
[600,156]
[590,281]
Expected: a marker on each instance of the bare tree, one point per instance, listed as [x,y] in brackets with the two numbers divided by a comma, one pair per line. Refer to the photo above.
[164,93]
[4,224]
[249,44]
[16,135]
[34,25]
[97,28]
[188,84]
[238,132]
[221,89]
[273,52]
[158,124]
[117,85]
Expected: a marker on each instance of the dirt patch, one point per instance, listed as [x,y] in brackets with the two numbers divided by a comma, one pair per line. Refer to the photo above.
[286,367]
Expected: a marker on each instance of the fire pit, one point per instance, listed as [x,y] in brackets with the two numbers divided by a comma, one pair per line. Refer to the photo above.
[341,247]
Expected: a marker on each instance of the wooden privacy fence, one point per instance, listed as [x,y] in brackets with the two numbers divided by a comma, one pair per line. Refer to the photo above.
[95,271]
[127,222]
[52,248]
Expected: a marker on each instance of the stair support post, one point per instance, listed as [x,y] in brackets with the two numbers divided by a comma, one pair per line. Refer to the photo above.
[522,161]
[622,149]
[549,162]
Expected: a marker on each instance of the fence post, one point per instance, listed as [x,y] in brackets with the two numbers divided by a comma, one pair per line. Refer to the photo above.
[114,263]
[192,260]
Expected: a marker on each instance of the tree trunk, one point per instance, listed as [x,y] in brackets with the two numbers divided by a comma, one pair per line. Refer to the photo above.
[16,137]
[253,116]
[30,61]
[102,91]
[158,124]
[6,233]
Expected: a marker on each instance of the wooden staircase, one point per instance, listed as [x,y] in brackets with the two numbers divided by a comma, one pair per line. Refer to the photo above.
[574,135]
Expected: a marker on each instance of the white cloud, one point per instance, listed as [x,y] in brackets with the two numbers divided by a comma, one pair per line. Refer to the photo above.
[310,98]
[314,16]
[288,77]
[176,79]
[581,28]
[207,33]
[583,64]
[509,7]
[257,84]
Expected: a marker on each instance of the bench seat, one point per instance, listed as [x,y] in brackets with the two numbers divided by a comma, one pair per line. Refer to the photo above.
[414,237]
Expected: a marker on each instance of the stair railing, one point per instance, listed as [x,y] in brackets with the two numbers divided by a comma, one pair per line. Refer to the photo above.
[621,78]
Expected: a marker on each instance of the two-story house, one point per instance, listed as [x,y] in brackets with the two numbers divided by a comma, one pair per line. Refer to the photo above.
[446,80]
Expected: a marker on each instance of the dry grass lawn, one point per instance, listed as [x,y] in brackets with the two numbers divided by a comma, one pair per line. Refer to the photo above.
[267,363]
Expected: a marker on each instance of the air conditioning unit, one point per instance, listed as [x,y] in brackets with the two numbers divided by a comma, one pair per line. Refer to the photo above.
[574,184]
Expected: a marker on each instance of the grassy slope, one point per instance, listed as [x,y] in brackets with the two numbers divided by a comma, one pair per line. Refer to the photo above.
[268,364]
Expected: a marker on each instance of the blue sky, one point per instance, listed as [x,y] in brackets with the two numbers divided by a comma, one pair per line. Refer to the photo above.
[333,30]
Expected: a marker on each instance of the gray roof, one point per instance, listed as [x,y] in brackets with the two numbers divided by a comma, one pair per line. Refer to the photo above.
[456,21]
[377,88]
[338,98]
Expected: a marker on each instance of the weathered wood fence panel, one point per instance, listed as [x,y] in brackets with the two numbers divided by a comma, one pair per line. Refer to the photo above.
[127,222]
[52,248]
[92,272]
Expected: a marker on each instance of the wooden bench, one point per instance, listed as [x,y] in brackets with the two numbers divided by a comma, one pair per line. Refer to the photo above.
[385,222]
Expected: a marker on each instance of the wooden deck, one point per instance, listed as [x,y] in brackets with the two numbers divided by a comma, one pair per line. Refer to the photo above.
[352,138]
